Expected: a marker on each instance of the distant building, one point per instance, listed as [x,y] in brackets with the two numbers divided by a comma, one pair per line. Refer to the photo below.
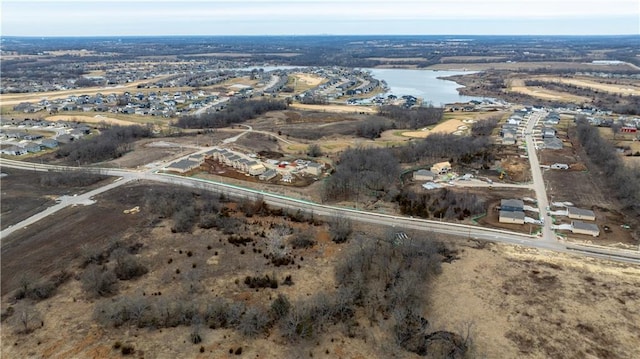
[314,168]
[511,217]
[441,167]
[14,151]
[590,229]
[268,175]
[183,166]
[423,175]
[578,213]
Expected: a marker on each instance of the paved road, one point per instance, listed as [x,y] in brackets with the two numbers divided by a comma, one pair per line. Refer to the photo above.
[472,232]
[538,181]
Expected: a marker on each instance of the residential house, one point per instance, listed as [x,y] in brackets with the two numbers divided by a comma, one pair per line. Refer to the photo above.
[511,217]
[552,143]
[590,229]
[512,205]
[14,151]
[314,168]
[183,166]
[579,213]
[49,143]
[441,167]
[423,175]
[66,138]
[255,169]
[31,147]
[268,175]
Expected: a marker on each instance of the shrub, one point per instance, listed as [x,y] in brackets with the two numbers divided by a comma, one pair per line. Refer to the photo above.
[303,240]
[280,307]
[262,282]
[127,266]
[99,281]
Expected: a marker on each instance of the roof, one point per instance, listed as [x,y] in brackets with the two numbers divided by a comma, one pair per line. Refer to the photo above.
[424,173]
[184,164]
[584,226]
[513,203]
[580,212]
[510,214]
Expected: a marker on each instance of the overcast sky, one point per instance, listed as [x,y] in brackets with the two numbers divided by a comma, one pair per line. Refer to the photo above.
[311,17]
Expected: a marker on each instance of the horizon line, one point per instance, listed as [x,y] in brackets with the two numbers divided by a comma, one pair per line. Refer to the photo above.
[320,34]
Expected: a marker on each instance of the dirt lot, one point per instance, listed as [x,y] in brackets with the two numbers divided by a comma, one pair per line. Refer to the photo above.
[523,303]
[23,195]
[518,302]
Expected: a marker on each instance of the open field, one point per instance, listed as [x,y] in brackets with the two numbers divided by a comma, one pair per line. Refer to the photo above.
[518,85]
[454,122]
[522,303]
[89,119]
[623,89]
[515,302]
[25,193]
[335,108]
[515,66]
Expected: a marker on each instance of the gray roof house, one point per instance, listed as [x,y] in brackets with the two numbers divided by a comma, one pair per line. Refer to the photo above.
[512,205]
[590,229]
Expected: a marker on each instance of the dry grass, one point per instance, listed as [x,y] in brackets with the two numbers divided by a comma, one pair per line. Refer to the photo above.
[527,304]
[335,108]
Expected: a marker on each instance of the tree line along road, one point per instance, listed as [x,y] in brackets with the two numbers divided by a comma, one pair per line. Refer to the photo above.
[400,222]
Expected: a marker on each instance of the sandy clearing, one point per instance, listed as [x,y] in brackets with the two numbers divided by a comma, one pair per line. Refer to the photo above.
[625,89]
[449,126]
[548,94]
[309,79]
[335,108]
[90,119]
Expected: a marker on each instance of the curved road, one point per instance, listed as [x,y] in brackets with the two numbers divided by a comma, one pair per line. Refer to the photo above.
[462,230]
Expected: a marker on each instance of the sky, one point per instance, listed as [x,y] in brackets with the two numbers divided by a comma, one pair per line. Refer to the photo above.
[313,17]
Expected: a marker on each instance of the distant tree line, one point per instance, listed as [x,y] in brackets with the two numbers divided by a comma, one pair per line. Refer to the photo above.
[412,118]
[236,112]
[436,146]
[112,142]
[485,127]
[623,180]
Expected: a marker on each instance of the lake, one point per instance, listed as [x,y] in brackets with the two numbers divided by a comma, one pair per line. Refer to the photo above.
[424,84]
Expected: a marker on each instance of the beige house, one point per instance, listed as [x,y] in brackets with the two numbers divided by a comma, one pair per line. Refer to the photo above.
[590,229]
[579,213]
[441,167]
[511,217]
[314,168]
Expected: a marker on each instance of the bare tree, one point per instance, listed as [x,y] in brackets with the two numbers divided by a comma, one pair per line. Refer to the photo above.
[26,318]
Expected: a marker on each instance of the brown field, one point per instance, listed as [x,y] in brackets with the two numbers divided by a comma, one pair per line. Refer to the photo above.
[515,302]
[517,85]
[528,65]
[623,89]
[335,108]
[89,119]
